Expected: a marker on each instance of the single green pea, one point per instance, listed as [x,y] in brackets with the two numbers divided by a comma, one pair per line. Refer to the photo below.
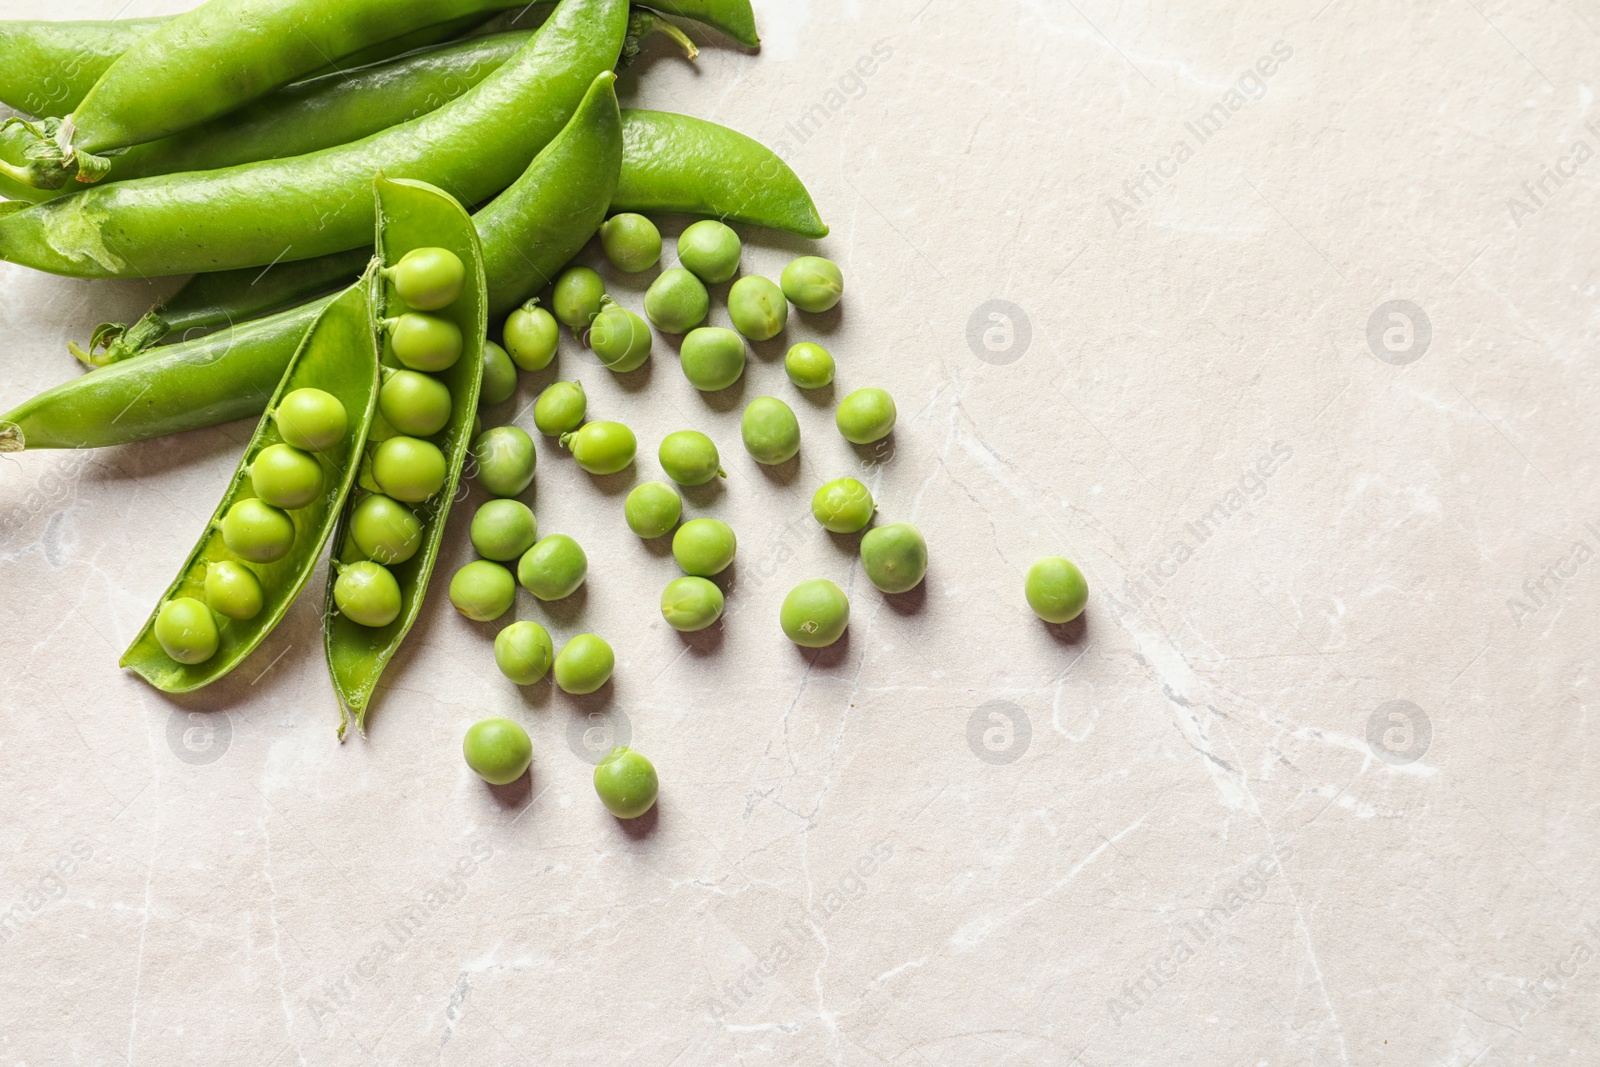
[894,557]
[186,630]
[483,591]
[385,530]
[255,530]
[425,342]
[843,505]
[428,278]
[503,530]
[757,307]
[815,613]
[771,432]
[531,336]
[553,568]
[367,593]
[414,403]
[690,458]
[286,477]
[652,509]
[676,302]
[814,284]
[704,547]
[524,652]
[408,469]
[711,249]
[310,419]
[498,750]
[601,447]
[865,416]
[233,590]
[577,297]
[584,665]
[620,338]
[499,375]
[810,366]
[560,408]
[631,242]
[505,459]
[712,358]
[626,783]
[1056,589]
[691,603]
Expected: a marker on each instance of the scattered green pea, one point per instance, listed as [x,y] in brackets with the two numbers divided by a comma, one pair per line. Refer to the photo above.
[712,358]
[310,419]
[691,603]
[255,530]
[676,302]
[808,365]
[704,547]
[531,336]
[652,509]
[483,591]
[414,403]
[286,477]
[601,447]
[631,242]
[553,568]
[425,342]
[771,432]
[584,665]
[619,338]
[408,469]
[524,652]
[233,590]
[498,750]
[577,297]
[503,530]
[428,278]
[894,557]
[560,408]
[499,375]
[815,613]
[843,505]
[385,530]
[711,250]
[1056,589]
[757,307]
[626,783]
[186,630]
[812,283]
[505,459]
[690,458]
[367,593]
[865,416]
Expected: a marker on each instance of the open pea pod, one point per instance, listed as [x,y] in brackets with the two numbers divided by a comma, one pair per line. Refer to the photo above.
[339,356]
[411,215]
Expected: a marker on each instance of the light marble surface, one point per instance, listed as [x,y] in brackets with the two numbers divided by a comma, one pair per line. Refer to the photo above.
[1185,849]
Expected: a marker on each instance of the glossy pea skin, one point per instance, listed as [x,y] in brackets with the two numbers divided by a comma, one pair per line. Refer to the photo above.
[425,342]
[620,338]
[310,419]
[577,296]
[690,458]
[601,447]
[285,476]
[815,613]
[531,336]
[1056,589]
[676,302]
[758,308]
[865,416]
[560,408]
[429,278]
[808,365]
[498,750]
[524,652]
[704,547]
[712,358]
[255,530]
[812,283]
[770,430]
[385,530]
[626,783]
[505,460]
[367,593]
[711,250]
[553,568]
[894,557]
[631,242]
[502,530]
[652,509]
[843,505]
[408,469]
[584,664]
[691,603]
[186,630]
[414,403]
[233,590]
[499,375]
[483,591]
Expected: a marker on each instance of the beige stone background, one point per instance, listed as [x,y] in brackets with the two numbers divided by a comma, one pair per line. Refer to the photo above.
[1321,792]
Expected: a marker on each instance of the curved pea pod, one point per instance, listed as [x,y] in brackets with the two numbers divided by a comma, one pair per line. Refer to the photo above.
[46,68]
[339,355]
[411,215]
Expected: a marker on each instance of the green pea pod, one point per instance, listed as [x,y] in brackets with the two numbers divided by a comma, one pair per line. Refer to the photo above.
[46,68]
[339,355]
[290,209]
[412,215]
